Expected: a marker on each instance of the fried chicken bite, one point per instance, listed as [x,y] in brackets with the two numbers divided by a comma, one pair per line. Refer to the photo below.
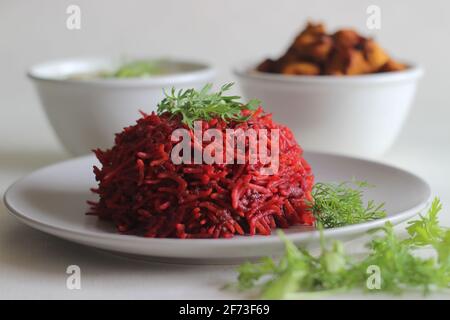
[301,68]
[375,55]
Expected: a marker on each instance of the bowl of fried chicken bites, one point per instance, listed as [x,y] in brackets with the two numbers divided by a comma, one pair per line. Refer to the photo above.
[340,92]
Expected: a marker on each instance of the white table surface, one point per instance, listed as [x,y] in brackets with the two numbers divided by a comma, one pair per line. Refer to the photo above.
[33,264]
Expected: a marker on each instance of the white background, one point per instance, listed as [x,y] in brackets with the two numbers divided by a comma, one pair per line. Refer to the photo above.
[223,33]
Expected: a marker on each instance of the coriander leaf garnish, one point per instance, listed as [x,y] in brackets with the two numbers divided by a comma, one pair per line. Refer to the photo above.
[401,267]
[300,274]
[337,205]
[194,105]
[139,69]
[426,231]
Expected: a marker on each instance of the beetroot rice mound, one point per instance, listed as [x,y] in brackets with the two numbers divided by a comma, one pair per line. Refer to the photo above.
[144,193]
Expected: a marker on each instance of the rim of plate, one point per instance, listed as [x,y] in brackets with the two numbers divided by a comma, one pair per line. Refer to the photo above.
[272,239]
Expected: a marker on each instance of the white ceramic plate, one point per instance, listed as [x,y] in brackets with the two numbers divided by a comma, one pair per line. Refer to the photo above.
[53,200]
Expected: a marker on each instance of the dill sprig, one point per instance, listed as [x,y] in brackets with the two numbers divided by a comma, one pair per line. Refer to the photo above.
[195,105]
[336,205]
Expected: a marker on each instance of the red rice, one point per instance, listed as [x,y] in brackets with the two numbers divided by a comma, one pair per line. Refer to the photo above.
[142,192]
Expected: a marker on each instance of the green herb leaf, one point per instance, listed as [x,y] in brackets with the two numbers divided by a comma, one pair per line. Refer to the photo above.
[300,274]
[138,69]
[426,231]
[195,105]
[336,205]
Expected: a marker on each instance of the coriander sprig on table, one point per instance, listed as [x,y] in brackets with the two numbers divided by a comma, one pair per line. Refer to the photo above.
[195,105]
[299,274]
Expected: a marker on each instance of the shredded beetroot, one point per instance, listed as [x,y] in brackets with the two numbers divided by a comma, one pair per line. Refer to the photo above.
[144,193]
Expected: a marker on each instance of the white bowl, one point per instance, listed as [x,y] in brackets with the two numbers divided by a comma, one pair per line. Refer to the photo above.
[352,115]
[86,113]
